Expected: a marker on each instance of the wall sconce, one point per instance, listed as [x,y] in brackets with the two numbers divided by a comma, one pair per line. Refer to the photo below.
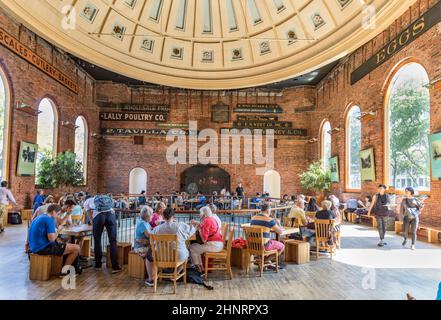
[27,108]
[335,130]
[95,135]
[69,124]
[311,141]
[372,113]
[435,84]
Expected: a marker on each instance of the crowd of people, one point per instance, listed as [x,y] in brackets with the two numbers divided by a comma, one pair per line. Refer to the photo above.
[50,216]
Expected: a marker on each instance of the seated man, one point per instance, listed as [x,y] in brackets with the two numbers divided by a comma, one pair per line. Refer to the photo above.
[268,224]
[202,201]
[351,207]
[255,201]
[142,201]
[43,235]
[325,214]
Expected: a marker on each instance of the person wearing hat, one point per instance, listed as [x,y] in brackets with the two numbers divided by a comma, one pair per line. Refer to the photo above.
[410,210]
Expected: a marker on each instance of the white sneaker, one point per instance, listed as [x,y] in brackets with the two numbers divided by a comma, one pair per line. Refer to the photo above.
[413,247]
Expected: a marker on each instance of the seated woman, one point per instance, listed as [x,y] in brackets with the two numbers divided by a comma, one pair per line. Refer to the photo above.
[312,205]
[157,218]
[142,244]
[43,234]
[363,208]
[209,232]
[325,214]
[183,230]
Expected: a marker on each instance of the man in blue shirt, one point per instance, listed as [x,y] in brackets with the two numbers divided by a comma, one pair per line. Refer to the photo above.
[43,235]
[202,201]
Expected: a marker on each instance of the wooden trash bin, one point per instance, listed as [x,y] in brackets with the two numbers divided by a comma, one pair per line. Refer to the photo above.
[56,265]
[239,258]
[136,267]
[85,249]
[123,250]
[297,251]
[40,267]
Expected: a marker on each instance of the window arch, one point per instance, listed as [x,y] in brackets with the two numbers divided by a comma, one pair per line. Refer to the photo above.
[407,127]
[47,129]
[271,183]
[137,181]
[325,144]
[5,106]
[353,148]
[81,143]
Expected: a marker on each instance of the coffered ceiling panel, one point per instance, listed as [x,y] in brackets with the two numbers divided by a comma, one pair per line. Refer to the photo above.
[207,44]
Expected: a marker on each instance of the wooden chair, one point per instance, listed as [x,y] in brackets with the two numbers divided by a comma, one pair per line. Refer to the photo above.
[256,248]
[221,260]
[310,214]
[322,235]
[165,256]
[224,231]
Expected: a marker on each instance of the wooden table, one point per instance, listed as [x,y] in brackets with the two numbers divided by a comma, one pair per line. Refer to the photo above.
[77,231]
[286,230]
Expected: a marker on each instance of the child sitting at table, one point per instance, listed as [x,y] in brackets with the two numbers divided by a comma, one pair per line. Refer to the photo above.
[142,244]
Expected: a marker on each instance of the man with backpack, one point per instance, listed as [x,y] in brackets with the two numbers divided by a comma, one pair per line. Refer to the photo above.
[101,215]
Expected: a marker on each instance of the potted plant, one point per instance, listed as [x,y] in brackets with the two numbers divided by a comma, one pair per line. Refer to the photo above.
[62,172]
[316,180]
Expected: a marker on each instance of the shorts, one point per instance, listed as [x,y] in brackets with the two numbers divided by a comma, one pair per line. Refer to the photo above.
[274,245]
[53,249]
[145,252]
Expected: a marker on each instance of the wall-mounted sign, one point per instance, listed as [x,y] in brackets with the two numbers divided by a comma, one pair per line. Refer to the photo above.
[27,54]
[133,116]
[277,132]
[220,113]
[27,158]
[145,107]
[258,108]
[416,29]
[262,124]
[142,132]
[257,118]
[173,125]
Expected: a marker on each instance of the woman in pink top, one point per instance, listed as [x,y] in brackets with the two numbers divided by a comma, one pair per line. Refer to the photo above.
[210,234]
[157,218]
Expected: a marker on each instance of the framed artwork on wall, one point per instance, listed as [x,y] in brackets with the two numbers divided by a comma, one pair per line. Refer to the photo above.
[367,160]
[435,155]
[27,158]
[333,166]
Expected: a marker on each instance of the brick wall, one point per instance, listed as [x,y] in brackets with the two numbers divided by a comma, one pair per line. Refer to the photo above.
[119,155]
[29,85]
[335,94]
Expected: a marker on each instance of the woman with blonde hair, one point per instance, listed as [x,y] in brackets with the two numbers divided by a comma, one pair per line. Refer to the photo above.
[211,238]
[43,209]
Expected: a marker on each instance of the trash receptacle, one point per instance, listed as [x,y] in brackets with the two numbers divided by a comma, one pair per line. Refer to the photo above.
[14,218]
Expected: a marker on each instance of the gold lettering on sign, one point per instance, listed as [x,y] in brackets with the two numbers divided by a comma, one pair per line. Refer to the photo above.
[27,54]
[419,26]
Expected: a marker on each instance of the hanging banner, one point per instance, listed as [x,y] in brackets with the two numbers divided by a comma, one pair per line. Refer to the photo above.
[257,118]
[258,108]
[132,116]
[142,132]
[262,124]
[27,54]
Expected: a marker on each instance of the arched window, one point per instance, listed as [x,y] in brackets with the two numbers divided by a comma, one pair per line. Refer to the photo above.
[271,183]
[137,181]
[325,140]
[46,130]
[81,143]
[353,147]
[407,129]
[4,125]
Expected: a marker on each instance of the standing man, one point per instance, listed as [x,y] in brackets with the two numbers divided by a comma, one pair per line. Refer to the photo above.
[101,214]
[380,209]
[5,197]
[240,193]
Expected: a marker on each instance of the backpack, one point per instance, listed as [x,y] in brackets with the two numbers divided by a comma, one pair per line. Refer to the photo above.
[103,203]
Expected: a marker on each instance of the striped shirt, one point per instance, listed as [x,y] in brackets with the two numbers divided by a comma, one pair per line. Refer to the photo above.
[267,223]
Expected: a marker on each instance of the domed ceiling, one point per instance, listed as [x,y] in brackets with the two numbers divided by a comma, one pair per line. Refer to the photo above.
[208,44]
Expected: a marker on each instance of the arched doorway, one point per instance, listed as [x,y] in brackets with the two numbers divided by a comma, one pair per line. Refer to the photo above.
[204,179]
[271,183]
[137,181]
